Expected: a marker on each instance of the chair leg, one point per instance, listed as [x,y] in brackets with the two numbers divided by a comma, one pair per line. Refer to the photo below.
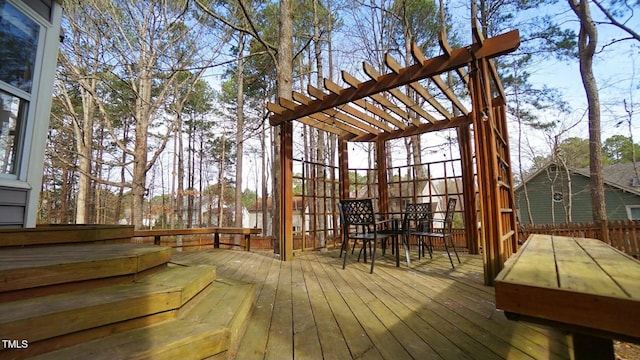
[405,243]
[446,247]
[453,245]
[430,247]
[373,256]
[346,254]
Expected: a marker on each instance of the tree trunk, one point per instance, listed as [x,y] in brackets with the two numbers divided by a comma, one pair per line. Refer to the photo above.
[123,173]
[284,69]
[84,147]
[179,210]
[265,194]
[239,132]
[587,41]
[221,182]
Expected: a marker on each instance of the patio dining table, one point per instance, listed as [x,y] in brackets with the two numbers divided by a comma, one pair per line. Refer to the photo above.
[395,219]
[580,285]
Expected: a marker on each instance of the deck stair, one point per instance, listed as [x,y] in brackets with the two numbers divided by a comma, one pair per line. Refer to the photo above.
[116,301]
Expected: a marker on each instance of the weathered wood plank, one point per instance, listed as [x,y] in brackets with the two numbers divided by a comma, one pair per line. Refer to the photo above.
[578,271]
[430,303]
[332,343]
[281,330]
[355,336]
[354,293]
[191,280]
[63,234]
[586,299]
[306,342]
[33,267]
[254,342]
[474,314]
[43,318]
[536,268]
[621,268]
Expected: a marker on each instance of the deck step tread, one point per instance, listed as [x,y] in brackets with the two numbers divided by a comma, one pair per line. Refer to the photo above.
[54,315]
[33,267]
[210,328]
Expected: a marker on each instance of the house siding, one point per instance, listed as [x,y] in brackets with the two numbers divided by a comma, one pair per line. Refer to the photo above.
[545,210]
[13,203]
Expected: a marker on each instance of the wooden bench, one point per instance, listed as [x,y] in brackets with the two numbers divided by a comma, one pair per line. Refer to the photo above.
[216,231]
[579,285]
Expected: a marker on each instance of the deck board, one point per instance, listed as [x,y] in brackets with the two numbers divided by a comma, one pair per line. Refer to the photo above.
[310,308]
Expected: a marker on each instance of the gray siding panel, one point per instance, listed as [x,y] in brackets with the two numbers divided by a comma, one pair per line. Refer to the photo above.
[13,203]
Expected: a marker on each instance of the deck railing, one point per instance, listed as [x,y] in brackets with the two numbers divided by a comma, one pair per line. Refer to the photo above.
[622,235]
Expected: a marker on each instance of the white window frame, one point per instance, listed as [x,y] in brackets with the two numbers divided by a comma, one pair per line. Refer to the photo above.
[26,138]
[629,214]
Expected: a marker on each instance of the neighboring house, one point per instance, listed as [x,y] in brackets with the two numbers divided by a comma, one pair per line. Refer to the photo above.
[29,38]
[204,212]
[256,214]
[558,195]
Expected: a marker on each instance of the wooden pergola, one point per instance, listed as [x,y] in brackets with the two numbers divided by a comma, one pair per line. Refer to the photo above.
[364,112]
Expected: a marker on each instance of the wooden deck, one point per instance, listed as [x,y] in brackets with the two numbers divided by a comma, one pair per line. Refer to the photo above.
[310,308]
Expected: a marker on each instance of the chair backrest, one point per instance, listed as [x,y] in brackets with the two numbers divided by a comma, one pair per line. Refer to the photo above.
[416,214]
[451,208]
[357,212]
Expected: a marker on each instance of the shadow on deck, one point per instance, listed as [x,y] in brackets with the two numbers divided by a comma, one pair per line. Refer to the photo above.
[310,308]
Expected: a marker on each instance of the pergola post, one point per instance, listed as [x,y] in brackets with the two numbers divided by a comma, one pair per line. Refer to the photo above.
[343,170]
[383,186]
[286,193]
[469,186]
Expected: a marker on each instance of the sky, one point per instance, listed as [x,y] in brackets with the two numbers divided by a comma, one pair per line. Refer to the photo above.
[617,72]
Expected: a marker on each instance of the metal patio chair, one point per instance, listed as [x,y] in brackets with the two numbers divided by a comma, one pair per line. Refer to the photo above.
[444,233]
[416,221]
[359,213]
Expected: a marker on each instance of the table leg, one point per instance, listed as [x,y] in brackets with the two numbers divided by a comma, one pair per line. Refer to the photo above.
[407,252]
[397,249]
[591,347]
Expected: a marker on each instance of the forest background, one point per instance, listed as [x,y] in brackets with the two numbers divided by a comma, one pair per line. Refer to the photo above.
[159,115]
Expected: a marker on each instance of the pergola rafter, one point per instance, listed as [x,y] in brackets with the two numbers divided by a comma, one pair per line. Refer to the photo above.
[377,110]
[428,68]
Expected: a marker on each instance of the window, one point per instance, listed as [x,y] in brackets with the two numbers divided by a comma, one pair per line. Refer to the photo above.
[18,47]
[557,196]
[12,118]
[633,212]
[19,36]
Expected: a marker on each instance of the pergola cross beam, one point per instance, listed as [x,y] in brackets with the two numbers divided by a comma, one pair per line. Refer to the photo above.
[457,58]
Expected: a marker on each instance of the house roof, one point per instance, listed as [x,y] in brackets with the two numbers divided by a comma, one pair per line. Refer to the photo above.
[618,175]
[257,206]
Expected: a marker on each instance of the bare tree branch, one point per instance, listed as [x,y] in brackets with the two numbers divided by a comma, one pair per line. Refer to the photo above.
[615,21]
[271,49]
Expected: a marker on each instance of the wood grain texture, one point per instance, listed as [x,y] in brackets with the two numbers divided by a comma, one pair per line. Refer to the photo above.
[30,267]
[597,287]
[423,312]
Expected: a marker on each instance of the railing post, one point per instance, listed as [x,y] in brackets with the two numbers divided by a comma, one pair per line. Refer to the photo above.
[604,228]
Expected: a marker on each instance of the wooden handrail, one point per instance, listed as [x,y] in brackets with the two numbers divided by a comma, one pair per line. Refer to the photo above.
[216,231]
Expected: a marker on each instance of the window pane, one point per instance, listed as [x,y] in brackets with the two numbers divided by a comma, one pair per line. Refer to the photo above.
[12,115]
[18,45]
[634,213]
